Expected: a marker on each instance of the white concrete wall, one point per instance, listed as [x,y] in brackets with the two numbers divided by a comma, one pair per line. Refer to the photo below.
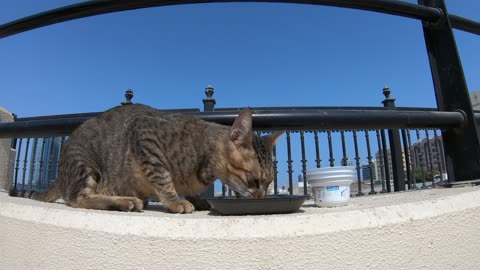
[431,229]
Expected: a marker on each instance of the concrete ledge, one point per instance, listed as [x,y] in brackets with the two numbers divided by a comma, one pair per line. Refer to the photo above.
[429,229]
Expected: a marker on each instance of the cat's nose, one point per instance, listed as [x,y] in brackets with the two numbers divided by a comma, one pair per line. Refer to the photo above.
[262,193]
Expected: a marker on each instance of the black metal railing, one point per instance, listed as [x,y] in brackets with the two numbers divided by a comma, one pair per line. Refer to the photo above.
[37,161]
[92,8]
[303,147]
[453,117]
[265,120]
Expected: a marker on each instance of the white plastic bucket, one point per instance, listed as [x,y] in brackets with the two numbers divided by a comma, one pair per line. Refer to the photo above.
[316,175]
[327,170]
[331,186]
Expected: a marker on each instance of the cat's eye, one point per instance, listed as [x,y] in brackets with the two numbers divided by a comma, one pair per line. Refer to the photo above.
[257,183]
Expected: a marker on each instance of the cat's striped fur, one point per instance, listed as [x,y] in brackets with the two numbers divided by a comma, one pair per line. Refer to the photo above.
[134,152]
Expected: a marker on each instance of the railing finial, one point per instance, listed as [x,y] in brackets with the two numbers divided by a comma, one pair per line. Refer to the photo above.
[386,92]
[128,97]
[209,91]
[209,102]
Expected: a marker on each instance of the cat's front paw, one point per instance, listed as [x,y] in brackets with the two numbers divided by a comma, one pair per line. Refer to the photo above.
[129,204]
[180,206]
[136,204]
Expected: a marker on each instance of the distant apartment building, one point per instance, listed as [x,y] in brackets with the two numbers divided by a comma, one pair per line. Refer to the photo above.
[475,99]
[429,156]
[369,172]
[298,187]
[380,164]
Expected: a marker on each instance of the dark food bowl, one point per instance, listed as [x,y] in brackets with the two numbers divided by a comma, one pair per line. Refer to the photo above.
[274,204]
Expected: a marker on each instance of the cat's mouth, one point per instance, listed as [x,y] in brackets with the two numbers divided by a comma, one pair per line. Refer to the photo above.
[249,193]
[241,191]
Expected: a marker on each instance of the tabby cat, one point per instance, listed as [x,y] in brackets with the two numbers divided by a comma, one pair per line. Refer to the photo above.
[134,152]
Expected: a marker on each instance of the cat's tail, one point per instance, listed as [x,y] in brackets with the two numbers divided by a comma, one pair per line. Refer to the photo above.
[51,195]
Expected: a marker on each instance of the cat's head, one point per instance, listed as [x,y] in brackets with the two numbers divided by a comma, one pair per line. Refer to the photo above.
[249,169]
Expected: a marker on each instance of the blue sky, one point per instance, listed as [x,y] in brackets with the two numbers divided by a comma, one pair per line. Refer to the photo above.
[254,54]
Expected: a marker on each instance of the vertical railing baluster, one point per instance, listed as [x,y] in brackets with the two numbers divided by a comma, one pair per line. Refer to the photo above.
[386,161]
[12,191]
[317,149]
[224,187]
[370,163]
[426,155]
[420,158]
[275,171]
[41,174]
[17,167]
[304,162]
[289,162]
[380,161]
[330,148]
[25,161]
[62,141]
[357,162]
[406,154]
[395,162]
[439,157]
[208,106]
[224,190]
[430,159]
[33,161]
[50,161]
[410,157]
[344,149]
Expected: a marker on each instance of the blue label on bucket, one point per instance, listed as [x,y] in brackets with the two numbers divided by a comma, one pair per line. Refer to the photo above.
[333,188]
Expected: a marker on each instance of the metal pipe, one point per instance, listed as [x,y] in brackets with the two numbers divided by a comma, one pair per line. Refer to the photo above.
[341,119]
[269,120]
[92,8]
[464,24]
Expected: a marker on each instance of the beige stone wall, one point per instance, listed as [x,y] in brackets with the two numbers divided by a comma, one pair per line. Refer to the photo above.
[6,154]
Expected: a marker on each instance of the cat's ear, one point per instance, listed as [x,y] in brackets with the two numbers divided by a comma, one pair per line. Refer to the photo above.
[272,139]
[241,132]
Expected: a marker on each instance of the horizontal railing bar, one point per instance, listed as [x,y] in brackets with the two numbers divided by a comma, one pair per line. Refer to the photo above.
[92,8]
[59,116]
[342,119]
[41,128]
[92,114]
[464,24]
[309,108]
[232,109]
[269,120]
